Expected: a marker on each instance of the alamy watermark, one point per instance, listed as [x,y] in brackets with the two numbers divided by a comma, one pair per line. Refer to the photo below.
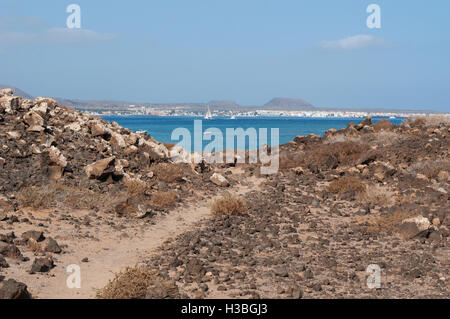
[74,279]
[374,19]
[74,19]
[224,150]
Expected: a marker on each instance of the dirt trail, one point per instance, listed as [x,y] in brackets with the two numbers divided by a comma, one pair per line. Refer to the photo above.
[109,251]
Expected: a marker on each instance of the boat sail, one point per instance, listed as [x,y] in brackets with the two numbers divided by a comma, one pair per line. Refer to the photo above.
[208,115]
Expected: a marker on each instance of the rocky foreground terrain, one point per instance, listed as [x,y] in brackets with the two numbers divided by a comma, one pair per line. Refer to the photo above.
[76,190]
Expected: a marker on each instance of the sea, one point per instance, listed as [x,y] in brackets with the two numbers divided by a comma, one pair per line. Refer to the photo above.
[161,127]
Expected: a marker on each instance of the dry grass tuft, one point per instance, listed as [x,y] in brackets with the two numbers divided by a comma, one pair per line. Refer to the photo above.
[168,172]
[55,195]
[34,246]
[132,283]
[386,138]
[164,199]
[389,222]
[135,186]
[340,138]
[429,168]
[229,205]
[433,120]
[376,195]
[347,183]
[345,153]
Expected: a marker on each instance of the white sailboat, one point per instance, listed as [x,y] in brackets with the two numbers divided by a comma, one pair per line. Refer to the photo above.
[208,115]
[233,117]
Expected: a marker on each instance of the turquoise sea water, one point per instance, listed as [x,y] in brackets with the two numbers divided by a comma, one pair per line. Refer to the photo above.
[161,128]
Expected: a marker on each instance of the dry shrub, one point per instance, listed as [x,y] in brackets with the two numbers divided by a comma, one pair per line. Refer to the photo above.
[382,125]
[390,221]
[132,283]
[229,205]
[433,120]
[376,195]
[417,122]
[387,138]
[345,153]
[168,172]
[290,159]
[347,183]
[339,138]
[429,168]
[55,195]
[164,199]
[34,246]
[135,186]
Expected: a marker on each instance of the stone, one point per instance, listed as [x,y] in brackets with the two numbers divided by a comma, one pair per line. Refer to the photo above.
[219,180]
[3,216]
[101,169]
[3,263]
[10,251]
[368,158]
[55,157]
[34,234]
[8,238]
[6,92]
[34,121]
[443,176]
[50,245]
[42,265]
[9,103]
[11,289]
[118,140]
[13,135]
[97,129]
[162,290]
[414,227]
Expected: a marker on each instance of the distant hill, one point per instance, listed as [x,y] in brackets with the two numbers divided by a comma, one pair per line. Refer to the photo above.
[225,104]
[288,104]
[17,92]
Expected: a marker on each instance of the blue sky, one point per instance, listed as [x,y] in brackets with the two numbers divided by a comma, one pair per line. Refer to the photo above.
[248,51]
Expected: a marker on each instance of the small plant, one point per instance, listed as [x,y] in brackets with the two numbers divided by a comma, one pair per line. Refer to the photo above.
[229,205]
[389,222]
[164,199]
[168,172]
[376,195]
[347,183]
[135,186]
[63,196]
[134,283]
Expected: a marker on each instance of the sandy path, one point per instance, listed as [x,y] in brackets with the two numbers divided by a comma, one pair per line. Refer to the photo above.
[113,251]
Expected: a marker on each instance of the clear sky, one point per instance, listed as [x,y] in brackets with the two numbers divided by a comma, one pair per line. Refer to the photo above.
[248,51]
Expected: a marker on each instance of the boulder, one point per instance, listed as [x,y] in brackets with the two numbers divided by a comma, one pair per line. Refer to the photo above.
[9,104]
[97,129]
[42,265]
[34,121]
[117,140]
[34,234]
[11,289]
[366,122]
[6,92]
[414,227]
[219,180]
[51,246]
[8,238]
[3,263]
[55,157]
[10,251]
[103,169]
